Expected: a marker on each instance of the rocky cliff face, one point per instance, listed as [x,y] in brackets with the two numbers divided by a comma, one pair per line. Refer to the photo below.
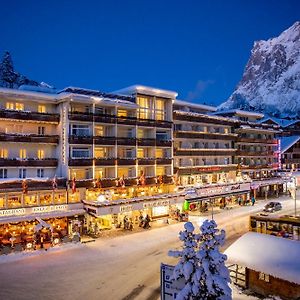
[271,79]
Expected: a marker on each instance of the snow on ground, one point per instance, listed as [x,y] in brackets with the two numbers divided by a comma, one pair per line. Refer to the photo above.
[125,267]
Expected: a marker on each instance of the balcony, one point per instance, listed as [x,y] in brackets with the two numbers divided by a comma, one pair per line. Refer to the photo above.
[127,120]
[204,135]
[259,166]
[154,123]
[77,139]
[254,153]
[255,140]
[290,161]
[146,161]
[29,116]
[105,161]
[126,161]
[78,162]
[164,161]
[202,152]
[104,140]
[90,117]
[30,138]
[146,142]
[126,141]
[164,143]
[29,162]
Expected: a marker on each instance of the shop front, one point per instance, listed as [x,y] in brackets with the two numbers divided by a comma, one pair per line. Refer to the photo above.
[221,196]
[39,227]
[108,215]
[268,188]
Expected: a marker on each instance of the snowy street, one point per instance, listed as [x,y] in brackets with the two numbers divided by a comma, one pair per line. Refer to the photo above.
[124,267]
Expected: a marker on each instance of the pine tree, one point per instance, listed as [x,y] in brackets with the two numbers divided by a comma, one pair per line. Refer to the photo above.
[7,74]
[215,279]
[187,266]
[201,264]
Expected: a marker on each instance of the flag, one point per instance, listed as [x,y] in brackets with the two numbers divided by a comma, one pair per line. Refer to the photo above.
[54,183]
[73,185]
[24,187]
[142,179]
[122,181]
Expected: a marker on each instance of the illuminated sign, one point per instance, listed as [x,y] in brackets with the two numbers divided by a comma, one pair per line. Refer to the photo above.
[125,208]
[40,209]
[156,203]
[12,212]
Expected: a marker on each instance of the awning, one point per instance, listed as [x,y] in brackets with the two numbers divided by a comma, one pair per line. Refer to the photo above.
[31,217]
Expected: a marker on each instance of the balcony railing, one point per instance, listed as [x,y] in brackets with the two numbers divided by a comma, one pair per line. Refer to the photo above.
[29,115]
[75,162]
[77,139]
[208,152]
[29,162]
[126,141]
[146,142]
[254,153]
[126,161]
[204,135]
[256,140]
[259,166]
[164,161]
[30,138]
[105,161]
[163,143]
[146,161]
[105,140]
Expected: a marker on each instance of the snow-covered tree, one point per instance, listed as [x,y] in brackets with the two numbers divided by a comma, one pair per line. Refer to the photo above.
[187,266]
[201,264]
[215,277]
[7,74]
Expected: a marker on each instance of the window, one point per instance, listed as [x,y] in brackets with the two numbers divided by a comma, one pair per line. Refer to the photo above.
[41,154]
[2,201]
[100,152]
[204,161]
[23,153]
[3,173]
[30,200]
[80,130]
[22,173]
[140,153]
[144,106]
[226,130]
[159,153]
[226,161]
[3,153]
[19,106]
[264,277]
[122,113]
[215,161]
[160,109]
[41,108]
[41,130]
[9,105]
[99,131]
[80,153]
[160,135]
[40,173]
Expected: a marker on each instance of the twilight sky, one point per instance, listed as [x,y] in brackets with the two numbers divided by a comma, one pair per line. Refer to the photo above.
[196,48]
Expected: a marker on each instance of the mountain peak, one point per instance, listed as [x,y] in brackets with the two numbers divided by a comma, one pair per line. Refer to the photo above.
[271,79]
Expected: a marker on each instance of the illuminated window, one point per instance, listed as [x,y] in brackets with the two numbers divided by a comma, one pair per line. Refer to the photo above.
[3,153]
[45,199]
[160,171]
[9,105]
[141,133]
[100,152]
[41,108]
[160,109]
[144,106]
[30,200]
[60,198]
[140,153]
[14,201]
[19,106]
[264,277]
[122,113]
[159,153]
[226,130]
[41,154]
[22,153]
[2,201]
[99,130]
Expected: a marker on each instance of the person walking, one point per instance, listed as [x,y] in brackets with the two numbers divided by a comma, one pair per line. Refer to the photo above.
[253,200]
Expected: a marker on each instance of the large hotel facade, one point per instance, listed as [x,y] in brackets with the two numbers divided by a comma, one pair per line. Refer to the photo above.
[80,160]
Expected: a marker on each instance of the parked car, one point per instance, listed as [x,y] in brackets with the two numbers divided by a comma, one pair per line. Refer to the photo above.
[272,206]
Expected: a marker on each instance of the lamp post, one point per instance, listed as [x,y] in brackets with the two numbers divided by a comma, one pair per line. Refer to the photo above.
[295,193]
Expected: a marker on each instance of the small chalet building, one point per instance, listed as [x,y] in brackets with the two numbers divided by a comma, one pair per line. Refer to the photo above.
[266,264]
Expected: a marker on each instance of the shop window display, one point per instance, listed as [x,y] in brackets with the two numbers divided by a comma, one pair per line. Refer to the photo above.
[30,200]
[74,197]
[46,199]
[14,201]
[60,198]
[2,201]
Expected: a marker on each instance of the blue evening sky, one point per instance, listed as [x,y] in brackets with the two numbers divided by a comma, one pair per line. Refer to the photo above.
[197,48]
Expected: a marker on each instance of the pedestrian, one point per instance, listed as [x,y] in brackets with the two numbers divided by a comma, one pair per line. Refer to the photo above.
[253,200]
[240,201]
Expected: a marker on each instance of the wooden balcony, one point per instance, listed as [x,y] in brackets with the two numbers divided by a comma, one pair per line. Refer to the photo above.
[105,140]
[260,166]
[290,161]
[146,161]
[127,120]
[76,139]
[254,153]
[208,152]
[30,138]
[29,116]
[29,162]
[105,161]
[164,161]
[163,143]
[79,162]
[146,142]
[204,135]
[126,141]
[253,140]
[126,161]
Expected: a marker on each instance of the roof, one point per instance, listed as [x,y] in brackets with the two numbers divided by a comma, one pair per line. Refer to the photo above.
[287,142]
[240,112]
[195,105]
[283,261]
[147,90]
[280,122]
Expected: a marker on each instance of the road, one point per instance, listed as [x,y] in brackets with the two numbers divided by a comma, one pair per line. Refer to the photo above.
[121,268]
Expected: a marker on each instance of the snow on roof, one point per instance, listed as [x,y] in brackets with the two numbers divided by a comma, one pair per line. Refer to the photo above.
[240,112]
[282,260]
[195,105]
[288,141]
[115,102]
[142,89]
[281,122]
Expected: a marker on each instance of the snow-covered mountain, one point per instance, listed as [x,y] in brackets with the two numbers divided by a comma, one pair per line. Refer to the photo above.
[271,79]
[9,78]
